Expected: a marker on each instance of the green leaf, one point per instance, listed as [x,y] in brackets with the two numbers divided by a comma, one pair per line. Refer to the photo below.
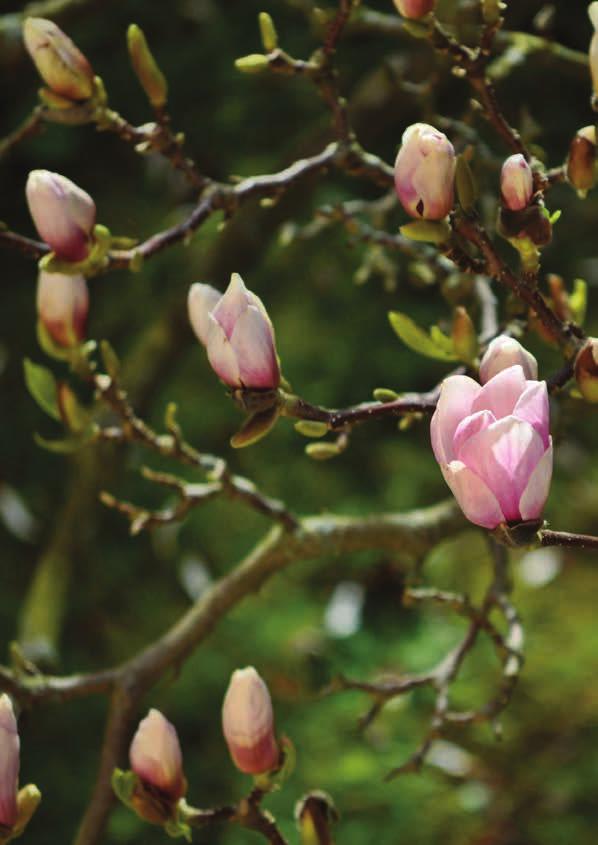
[322,451]
[310,428]
[428,231]
[42,386]
[578,301]
[433,345]
[255,427]
[60,447]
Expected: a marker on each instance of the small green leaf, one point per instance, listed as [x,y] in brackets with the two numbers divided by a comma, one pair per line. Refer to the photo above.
[441,340]
[465,184]
[110,359]
[254,63]
[60,447]
[578,301]
[255,427]
[310,428]
[419,340]
[429,231]
[322,451]
[123,784]
[42,386]
[268,32]
[383,394]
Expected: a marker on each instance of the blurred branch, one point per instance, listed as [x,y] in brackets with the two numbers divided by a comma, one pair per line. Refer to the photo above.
[31,126]
[564,538]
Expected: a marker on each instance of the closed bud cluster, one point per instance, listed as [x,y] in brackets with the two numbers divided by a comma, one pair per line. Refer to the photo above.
[61,64]
[237,333]
[425,172]
[156,758]
[414,9]
[248,723]
[493,442]
[64,214]
[516,183]
[581,160]
[62,307]
[586,370]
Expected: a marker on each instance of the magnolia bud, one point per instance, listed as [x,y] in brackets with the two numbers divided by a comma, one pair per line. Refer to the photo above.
[414,9]
[63,213]
[62,307]
[516,183]
[156,758]
[425,172]
[593,51]
[9,764]
[504,352]
[582,159]
[237,333]
[61,64]
[248,723]
[586,370]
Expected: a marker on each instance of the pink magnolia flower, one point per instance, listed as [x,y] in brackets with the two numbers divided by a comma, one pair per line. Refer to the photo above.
[9,763]
[493,444]
[61,64]
[63,213]
[414,9]
[425,172]
[62,306]
[248,723]
[516,183]
[504,352]
[155,755]
[237,333]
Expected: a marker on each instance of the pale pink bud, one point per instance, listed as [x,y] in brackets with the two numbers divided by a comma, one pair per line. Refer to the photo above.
[156,758]
[504,352]
[61,64]
[516,183]
[62,307]
[237,333]
[414,9]
[248,723]
[581,160]
[494,447]
[425,172]
[9,763]
[593,52]
[63,213]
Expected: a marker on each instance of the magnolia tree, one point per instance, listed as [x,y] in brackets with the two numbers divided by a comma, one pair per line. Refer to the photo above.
[488,419]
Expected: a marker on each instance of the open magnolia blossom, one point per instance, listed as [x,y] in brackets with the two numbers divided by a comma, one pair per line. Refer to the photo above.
[493,442]
[237,333]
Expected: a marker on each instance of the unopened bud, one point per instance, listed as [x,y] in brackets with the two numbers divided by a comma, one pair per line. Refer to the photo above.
[156,758]
[9,764]
[586,370]
[425,172]
[414,9]
[516,183]
[504,352]
[63,213]
[62,307]
[464,336]
[248,723]
[268,32]
[146,68]
[254,63]
[61,64]
[582,159]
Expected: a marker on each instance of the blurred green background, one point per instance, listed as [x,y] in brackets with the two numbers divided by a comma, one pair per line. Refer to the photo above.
[104,595]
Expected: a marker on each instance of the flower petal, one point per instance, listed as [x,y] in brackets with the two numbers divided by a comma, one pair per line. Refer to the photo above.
[232,304]
[454,404]
[202,299]
[253,343]
[470,426]
[501,393]
[504,456]
[533,407]
[221,355]
[504,352]
[475,499]
[535,494]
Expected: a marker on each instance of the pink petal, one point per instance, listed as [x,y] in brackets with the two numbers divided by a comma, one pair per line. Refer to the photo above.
[253,344]
[535,494]
[202,299]
[504,352]
[470,426]
[221,355]
[454,404]
[232,304]
[504,456]
[477,502]
[533,407]
[501,393]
